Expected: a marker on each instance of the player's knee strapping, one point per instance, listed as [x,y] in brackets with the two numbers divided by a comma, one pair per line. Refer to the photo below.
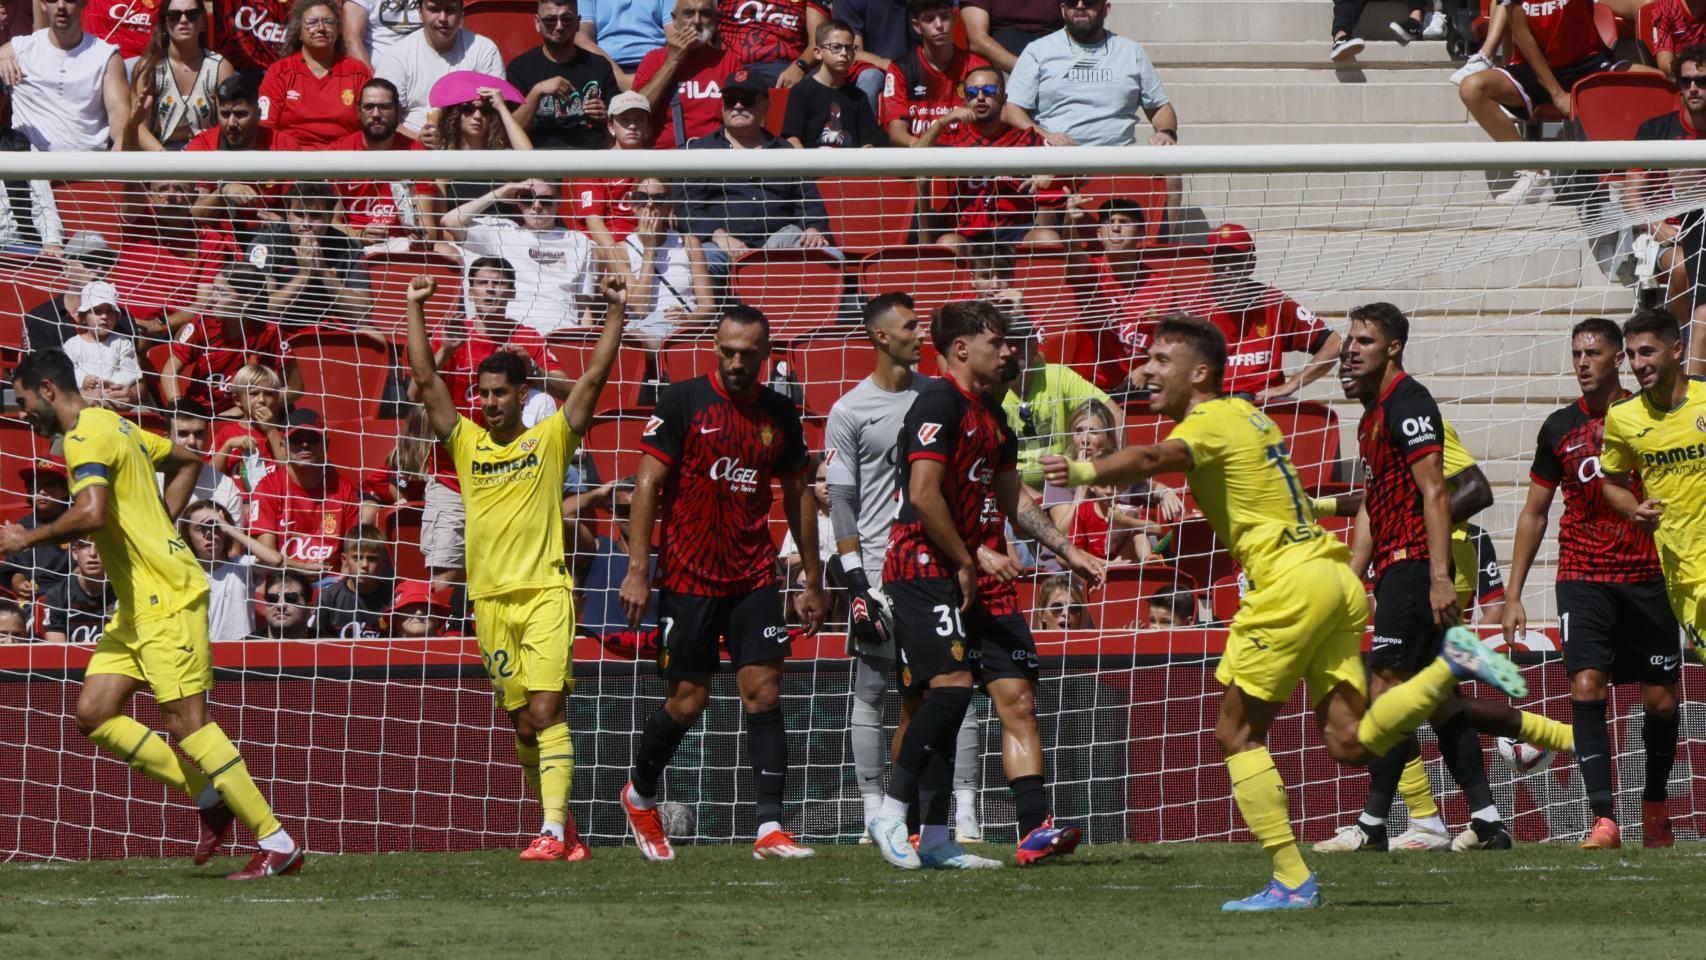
[1658,736]
[218,758]
[556,772]
[767,745]
[527,754]
[144,751]
[1260,793]
[1595,756]
[659,740]
[1403,708]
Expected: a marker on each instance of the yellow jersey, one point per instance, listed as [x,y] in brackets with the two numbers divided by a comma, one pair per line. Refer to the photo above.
[513,494]
[1243,480]
[1456,459]
[151,569]
[1668,449]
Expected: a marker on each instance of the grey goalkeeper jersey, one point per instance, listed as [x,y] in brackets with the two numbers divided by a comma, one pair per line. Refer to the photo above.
[861,443]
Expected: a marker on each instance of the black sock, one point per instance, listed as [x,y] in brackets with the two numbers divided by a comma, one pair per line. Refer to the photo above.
[1461,749]
[767,747]
[935,790]
[1383,776]
[1658,735]
[1030,802]
[1593,754]
[659,740]
[932,731]
[915,810]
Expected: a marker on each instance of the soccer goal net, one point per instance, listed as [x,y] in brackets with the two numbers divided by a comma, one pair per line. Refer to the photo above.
[230,300]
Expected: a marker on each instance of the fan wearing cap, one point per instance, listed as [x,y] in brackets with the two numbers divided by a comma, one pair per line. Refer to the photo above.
[1261,324]
[683,79]
[418,61]
[567,86]
[310,92]
[304,510]
[50,323]
[603,205]
[32,571]
[417,611]
[107,369]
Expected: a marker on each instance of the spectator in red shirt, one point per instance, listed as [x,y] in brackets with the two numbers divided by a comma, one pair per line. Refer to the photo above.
[925,83]
[683,79]
[162,260]
[310,92]
[126,24]
[375,210]
[1681,238]
[772,39]
[1261,324]
[1677,24]
[1008,210]
[234,330]
[174,81]
[240,126]
[304,509]
[602,205]
[251,32]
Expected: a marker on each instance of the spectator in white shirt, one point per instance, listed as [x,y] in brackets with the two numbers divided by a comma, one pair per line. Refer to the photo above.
[555,269]
[371,27]
[69,90]
[229,556]
[669,286]
[108,372]
[421,59]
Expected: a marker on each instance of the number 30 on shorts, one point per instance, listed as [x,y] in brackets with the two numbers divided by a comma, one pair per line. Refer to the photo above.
[948,621]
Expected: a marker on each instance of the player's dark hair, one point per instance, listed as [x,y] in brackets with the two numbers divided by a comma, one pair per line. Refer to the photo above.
[965,318]
[237,88]
[1654,322]
[739,313]
[1599,327]
[1124,207]
[1694,53]
[499,264]
[918,8]
[1204,339]
[879,306]
[380,83]
[185,408]
[1390,320]
[1182,604]
[512,367]
[830,26]
[46,366]
[318,193]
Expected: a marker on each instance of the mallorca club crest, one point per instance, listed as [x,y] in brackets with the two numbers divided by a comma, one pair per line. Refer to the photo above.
[765,435]
[958,649]
[348,97]
[330,524]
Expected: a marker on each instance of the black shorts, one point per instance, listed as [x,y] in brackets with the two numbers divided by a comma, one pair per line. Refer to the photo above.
[1534,95]
[1002,647]
[934,638]
[750,625]
[1405,637]
[1626,630]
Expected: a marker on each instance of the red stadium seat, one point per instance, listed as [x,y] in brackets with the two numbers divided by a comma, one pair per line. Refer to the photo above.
[391,274]
[1149,192]
[91,205]
[868,214]
[509,24]
[1050,302]
[1612,106]
[345,375]
[931,274]
[361,446]
[687,357]
[1312,433]
[403,526]
[829,366]
[799,290]
[17,299]
[1119,604]
[1224,598]
[778,111]
[570,354]
[614,445]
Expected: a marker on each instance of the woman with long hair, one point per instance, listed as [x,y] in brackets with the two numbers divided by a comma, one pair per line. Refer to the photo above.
[325,81]
[175,79]
[482,122]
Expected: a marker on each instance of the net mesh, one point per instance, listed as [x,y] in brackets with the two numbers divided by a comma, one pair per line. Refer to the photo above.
[373,738]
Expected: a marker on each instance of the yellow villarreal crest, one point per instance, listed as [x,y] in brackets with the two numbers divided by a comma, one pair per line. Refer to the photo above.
[765,434]
[528,444]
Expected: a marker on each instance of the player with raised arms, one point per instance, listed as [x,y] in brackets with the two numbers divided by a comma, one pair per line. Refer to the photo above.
[158,639]
[956,609]
[511,477]
[1613,617]
[710,452]
[1304,615]
[861,441]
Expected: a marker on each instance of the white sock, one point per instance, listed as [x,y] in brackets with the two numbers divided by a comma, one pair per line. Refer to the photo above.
[1489,813]
[768,827]
[554,829]
[933,835]
[644,803]
[208,798]
[278,842]
[1369,820]
[965,804]
[1435,823]
[892,808]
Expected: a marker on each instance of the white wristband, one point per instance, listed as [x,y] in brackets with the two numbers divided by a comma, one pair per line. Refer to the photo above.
[851,561]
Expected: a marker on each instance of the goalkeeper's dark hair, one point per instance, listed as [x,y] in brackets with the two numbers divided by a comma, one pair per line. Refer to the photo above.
[1599,327]
[739,313]
[46,366]
[1204,339]
[965,318]
[1390,320]
[499,264]
[1653,322]
[511,366]
[1694,53]
[879,306]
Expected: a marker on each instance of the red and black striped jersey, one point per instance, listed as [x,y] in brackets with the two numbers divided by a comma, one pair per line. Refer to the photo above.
[1595,543]
[1398,429]
[970,436]
[759,31]
[722,452]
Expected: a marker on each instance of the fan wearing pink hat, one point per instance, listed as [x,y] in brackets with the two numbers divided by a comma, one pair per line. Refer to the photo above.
[470,111]
[419,60]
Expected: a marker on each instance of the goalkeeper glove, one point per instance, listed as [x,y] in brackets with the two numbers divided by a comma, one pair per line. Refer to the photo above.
[865,612]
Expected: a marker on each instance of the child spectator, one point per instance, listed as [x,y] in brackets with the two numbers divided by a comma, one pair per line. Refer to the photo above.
[108,372]
[250,446]
[78,607]
[354,606]
[32,572]
[417,612]
[229,556]
[924,84]
[403,479]
[315,274]
[826,109]
[1171,609]
[14,627]
[287,604]
[602,205]
[1107,521]
[304,508]
[1060,605]
[235,329]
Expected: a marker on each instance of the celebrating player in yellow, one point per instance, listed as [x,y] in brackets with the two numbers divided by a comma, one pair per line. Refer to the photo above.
[1304,615]
[158,638]
[1660,433]
[512,486]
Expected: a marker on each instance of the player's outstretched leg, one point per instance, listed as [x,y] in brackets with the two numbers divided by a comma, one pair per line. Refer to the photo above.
[931,733]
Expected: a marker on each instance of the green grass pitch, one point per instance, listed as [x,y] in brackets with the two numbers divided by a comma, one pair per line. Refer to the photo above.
[1551,902]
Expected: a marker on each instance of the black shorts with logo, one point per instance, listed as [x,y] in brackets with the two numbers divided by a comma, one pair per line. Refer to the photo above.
[935,638]
[1405,637]
[750,625]
[1626,630]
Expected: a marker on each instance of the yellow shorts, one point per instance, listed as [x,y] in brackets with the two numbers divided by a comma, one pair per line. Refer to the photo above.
[1307,625]
[171,653]
[526,640]
[1685,584]
[1465,570]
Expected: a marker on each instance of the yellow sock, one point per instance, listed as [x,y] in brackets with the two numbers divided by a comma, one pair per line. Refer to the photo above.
[1404,707]
[527,754]
[214,753]
[1260,793]
[1547,732]
[145,752]
[556,773]
[1418,793]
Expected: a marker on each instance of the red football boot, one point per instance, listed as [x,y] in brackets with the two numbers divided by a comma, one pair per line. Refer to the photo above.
[266,863]
[216,824]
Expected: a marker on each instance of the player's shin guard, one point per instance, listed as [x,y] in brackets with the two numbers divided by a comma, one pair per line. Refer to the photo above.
[1593,756]
[659,740]
[527,754]
[767,746]
[1403,708]
[1030,802]
[1460,747]
[1547,732]
[218,758]
[146,753]
[932,731]
[1658,736]
[1418,793]
[556,775]
[1260,793]
[1384,776]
